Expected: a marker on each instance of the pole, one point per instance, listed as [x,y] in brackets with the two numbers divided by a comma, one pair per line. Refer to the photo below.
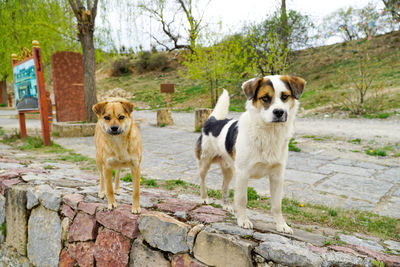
[21,114]
[43,108]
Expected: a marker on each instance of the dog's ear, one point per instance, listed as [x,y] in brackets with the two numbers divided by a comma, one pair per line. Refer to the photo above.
[250,87]
[99,108]
[128,106]
[295,84]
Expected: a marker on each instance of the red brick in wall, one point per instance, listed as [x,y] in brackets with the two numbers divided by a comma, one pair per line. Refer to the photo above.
[67,70]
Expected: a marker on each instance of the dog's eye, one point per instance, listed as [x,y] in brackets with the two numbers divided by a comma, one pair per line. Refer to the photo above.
[121,117]
[107,118]
[284,97]
[266,99]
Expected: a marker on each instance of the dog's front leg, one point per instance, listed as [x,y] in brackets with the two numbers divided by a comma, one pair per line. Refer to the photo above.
[109,189]
[117,175]
[276,189]
[135,171]
[240,199]
[101,172]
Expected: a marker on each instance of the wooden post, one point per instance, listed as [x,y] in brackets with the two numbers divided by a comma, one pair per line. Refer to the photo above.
[37,55]
[22,126]
[200,117]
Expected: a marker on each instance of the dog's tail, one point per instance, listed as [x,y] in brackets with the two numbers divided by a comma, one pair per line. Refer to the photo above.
[222,107]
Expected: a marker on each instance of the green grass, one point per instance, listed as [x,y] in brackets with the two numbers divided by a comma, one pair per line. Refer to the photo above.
[171,184]
[149,182]
[292,146]
[383,115]
[127,177]
[355,141]
[3,229]
[376,152]
[1,131]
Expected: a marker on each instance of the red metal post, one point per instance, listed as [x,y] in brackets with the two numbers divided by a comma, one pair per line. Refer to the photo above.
[43,108]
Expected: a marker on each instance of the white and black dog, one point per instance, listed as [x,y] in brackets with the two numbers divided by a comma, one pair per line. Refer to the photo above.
[254,146]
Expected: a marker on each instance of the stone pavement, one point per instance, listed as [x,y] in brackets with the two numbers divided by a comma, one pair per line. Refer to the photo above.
[61,199]
[168,153]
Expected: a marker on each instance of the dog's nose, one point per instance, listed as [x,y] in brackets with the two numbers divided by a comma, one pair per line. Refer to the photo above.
[114,128]
[278,112]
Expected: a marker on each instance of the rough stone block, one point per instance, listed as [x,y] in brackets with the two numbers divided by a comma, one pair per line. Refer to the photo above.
[83,228]
[174,205]
[121,220]
[2,215]
[143,256]
[82,252]
[184,260]
[17,218]
[67,211]
[285,251]
[66,260]
[6,184]
[222,250]
[89,208]
[44,237]
[73,200]
[232,229]
[32,200]
[208,214]
[349,239]
[341,259]
[164,232]
[111,249]
[200,117]
[192,236]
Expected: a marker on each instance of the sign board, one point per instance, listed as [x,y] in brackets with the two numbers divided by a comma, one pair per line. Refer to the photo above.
[167,88]
[25,85]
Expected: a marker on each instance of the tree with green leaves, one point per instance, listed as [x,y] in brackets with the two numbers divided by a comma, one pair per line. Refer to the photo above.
[21,21]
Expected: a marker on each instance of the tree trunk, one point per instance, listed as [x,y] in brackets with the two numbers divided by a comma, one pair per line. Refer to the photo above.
[284,24]
[3,92]
[89,72]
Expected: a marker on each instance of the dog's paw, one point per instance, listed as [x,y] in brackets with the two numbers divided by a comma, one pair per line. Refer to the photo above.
[245,223]
[116,191]
[101,194]
[284,228]
[136,210]
[228,208]
[112,205]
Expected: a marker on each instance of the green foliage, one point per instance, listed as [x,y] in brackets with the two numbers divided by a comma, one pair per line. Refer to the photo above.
[292,146]
[355,141]
[148,61]
[49,22]
[252,194]
[3,229]
[332,212]
[376,152]
[149,182]
[171,184]
[378,263]
[120,67]
[127,177]
[1,131]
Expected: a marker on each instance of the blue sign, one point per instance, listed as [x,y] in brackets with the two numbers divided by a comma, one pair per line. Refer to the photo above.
[25,86]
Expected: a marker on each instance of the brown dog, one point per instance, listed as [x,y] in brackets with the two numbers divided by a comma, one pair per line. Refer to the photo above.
[118,145]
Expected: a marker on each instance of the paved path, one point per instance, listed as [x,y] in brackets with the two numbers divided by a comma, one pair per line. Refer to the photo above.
[168,153]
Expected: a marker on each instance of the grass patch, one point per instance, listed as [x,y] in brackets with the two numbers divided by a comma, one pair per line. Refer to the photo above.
[376,152]
[127,177]
[355,141]
[292,146]
[1,131]
[215,205]
[74,157]
[383,115]
[3,229]
[149,182]
[171,184]
[48,167]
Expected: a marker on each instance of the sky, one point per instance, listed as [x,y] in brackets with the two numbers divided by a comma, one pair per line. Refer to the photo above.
[231,14]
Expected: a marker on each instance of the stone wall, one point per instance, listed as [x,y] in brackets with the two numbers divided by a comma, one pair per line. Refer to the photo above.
[48,219]
[67,71]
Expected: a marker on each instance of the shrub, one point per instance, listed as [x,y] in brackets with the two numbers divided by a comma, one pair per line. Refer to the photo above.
[148,61]
[120,67]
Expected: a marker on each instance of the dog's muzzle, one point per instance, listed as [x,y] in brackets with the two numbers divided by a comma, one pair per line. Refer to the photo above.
[280,115]
[114,130]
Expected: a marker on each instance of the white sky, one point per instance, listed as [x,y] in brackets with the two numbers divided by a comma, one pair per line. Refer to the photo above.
[233,14]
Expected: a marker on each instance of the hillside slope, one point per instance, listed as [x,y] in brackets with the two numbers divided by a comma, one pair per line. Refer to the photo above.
[328,70]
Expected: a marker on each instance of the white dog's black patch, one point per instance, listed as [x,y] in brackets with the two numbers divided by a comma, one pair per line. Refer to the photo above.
[231,136]
[214,126]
